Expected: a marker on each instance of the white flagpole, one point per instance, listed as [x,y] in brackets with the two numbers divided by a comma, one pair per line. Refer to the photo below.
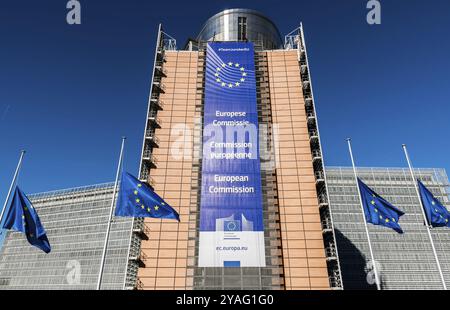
[113,200]
[377,280]
[424,216]
[19,165]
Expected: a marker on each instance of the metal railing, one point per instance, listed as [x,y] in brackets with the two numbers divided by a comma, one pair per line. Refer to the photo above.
[310,116]
[313,134]
[161,70]
[326,224]
[330,252]
[319,176]
[323,199]
[150,134]
[316,154]
[156,100]
[157,82]
[148,155]
[152,116]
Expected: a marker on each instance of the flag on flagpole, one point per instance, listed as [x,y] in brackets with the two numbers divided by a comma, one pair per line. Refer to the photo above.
[377,210]
[137,199]
[437,214]
[23,217]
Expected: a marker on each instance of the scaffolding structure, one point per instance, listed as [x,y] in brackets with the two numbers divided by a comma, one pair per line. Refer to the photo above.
[148,162]
[296,40]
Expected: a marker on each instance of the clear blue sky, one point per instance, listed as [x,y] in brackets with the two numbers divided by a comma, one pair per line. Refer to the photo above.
[68,93]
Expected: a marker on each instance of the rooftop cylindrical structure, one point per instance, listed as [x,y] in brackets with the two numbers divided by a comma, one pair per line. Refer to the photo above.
[241,25]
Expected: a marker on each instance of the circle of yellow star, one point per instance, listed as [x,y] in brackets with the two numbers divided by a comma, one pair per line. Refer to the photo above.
[223,80]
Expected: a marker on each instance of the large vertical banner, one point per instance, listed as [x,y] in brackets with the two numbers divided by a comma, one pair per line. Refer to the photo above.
[231,217]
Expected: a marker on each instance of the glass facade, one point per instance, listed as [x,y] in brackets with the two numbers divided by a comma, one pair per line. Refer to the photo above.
[241,25]
[75,221]
[405,261]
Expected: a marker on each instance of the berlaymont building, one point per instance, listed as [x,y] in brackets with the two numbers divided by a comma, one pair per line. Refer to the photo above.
[232,143]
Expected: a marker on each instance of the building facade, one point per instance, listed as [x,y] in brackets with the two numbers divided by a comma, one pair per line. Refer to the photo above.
[405,261]
[75,220]
[298,253]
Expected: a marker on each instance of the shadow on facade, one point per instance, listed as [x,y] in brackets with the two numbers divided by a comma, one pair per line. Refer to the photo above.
[353,265]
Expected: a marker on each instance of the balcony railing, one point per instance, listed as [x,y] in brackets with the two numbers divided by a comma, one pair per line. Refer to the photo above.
[150,158]
[150,135]
[160,70]
[308,102]
[330,252]
[158,102]
[323,200]
[306,84]
[316,154]
[313,134]
[146,178]
[154,118]
[141,230]
[158,85]
[320,177]
[326,225]
[161,55]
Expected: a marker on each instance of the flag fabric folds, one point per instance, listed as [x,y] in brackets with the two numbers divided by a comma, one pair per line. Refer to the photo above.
[137,199]
[377,210]
[437,214]
[23,217]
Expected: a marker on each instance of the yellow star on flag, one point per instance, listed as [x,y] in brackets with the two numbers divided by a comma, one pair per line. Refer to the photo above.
[156,208]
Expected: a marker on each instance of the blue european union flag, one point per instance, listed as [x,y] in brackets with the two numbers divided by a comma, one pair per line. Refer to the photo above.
[23,217]
[437,214]
[137,199]
[377,210]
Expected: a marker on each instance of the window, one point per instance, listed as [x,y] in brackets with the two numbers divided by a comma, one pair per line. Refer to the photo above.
[242,28]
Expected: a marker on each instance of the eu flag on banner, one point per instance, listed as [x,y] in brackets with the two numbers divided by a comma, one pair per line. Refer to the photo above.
[137,199]
[437,214]
[377,210]
[22,217]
